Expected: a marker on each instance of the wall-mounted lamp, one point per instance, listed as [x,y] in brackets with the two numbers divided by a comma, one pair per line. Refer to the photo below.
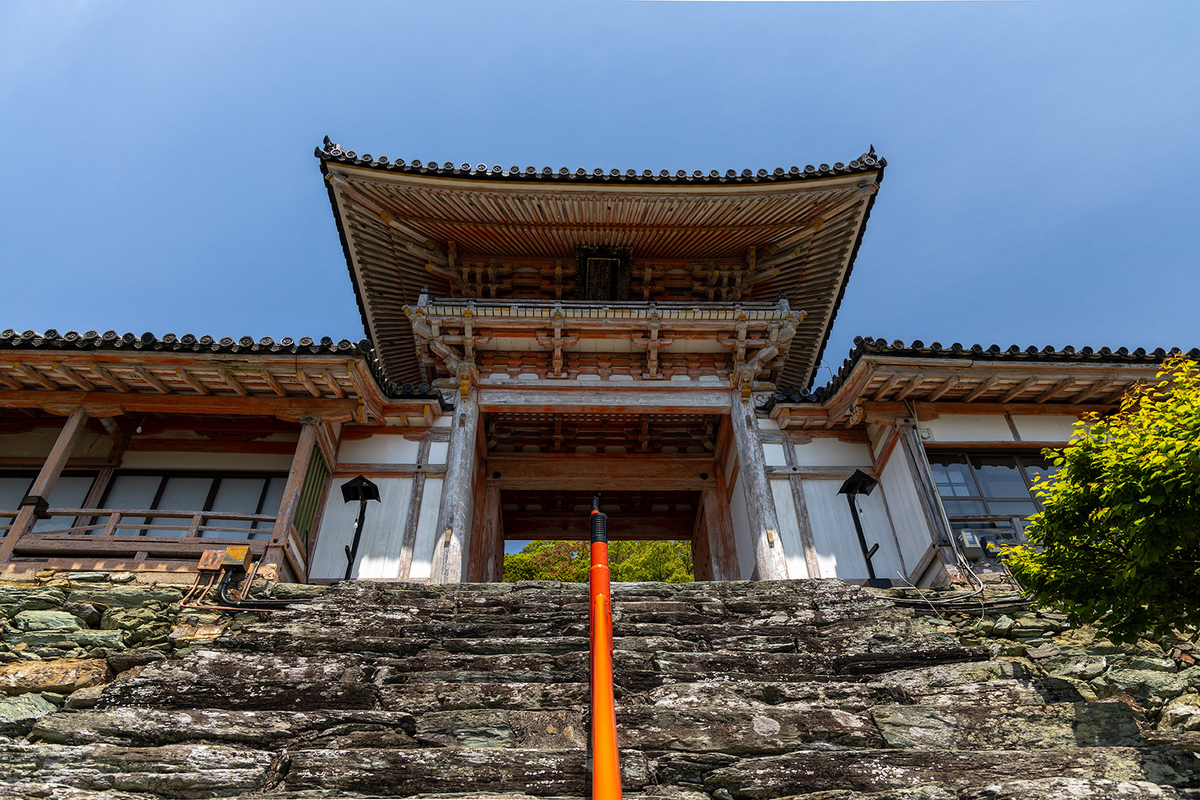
[362,490]
[862,483]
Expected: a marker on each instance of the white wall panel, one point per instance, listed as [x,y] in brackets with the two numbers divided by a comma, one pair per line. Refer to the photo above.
[741,529]
[1041,428]
[969,428]
[838,551]
[825,451]
[773,455]
[789,528]
[382,536]
[431,500]
[385,448]
[438,452]
[904,503]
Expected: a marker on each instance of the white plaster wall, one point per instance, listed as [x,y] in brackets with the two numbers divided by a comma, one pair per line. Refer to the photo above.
[38,442]
[904,503]
[826,451]
[774,455]
[1042,428]
[741,529]
[431,499]
[210,461]
[438,452]
[382,536]
[379,449]
[968,428]
[839,554]
[789,528]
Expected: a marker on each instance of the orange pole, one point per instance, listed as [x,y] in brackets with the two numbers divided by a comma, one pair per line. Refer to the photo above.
[606,769]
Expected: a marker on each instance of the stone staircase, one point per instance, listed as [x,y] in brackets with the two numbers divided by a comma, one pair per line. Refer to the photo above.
[729,691]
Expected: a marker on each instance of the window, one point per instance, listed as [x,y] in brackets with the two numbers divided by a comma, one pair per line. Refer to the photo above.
[253,493]
[70,490]
[988,491]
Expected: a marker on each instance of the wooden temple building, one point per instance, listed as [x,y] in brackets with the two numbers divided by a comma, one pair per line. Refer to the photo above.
[535,336]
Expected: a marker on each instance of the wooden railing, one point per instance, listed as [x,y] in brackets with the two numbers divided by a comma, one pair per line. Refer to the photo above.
[145,523]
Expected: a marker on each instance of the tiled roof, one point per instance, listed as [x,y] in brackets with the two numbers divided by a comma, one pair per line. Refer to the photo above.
[918,349]
[867,162]
[306,346]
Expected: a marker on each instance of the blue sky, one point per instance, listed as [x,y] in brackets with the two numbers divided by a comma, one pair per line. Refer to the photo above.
[1041,187]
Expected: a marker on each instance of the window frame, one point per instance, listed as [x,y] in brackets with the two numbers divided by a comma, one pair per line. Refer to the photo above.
[1020,459]
[215,475]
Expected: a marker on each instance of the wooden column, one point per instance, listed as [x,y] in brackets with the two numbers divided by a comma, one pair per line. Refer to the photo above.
[454,517]
[276,553]
[722,546]
[807,541]
[927,490]
[485,535]
[769,560]
[51,469]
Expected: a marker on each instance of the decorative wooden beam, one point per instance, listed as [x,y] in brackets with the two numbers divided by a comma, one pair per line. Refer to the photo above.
[675,472]
[192,381]
[154,382]
[981,389]
[597,397]
[577,526]
[1055,390]
[36,377]
[232,382]
[291,409]
[1019,389]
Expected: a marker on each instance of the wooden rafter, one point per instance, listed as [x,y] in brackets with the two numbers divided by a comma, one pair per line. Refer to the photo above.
[1055,390]
[911,386]
[152,381]
[981,389]
[192,381]
[36,377]
[74,377]
[1019,389]
[233,382]
[109,378]
[945,386]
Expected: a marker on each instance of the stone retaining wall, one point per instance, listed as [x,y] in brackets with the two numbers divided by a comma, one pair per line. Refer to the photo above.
[732,691]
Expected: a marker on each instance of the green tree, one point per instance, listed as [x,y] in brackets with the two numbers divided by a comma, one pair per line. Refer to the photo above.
[668,562]
[1119,539]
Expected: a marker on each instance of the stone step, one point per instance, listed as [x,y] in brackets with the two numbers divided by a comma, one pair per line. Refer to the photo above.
[541,773]
[882,770]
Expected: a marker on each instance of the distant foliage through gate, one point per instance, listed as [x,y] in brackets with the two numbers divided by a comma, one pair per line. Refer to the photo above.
[668,562]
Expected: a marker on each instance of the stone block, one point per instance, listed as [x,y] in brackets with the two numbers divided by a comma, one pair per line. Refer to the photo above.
[61,675]
[17,599]
[86,577]
[19,714]
[1030,727]
[46,621]
[194,770]
[124,596]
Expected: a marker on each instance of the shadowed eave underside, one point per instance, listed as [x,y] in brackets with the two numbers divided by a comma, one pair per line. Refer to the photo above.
[409,225]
